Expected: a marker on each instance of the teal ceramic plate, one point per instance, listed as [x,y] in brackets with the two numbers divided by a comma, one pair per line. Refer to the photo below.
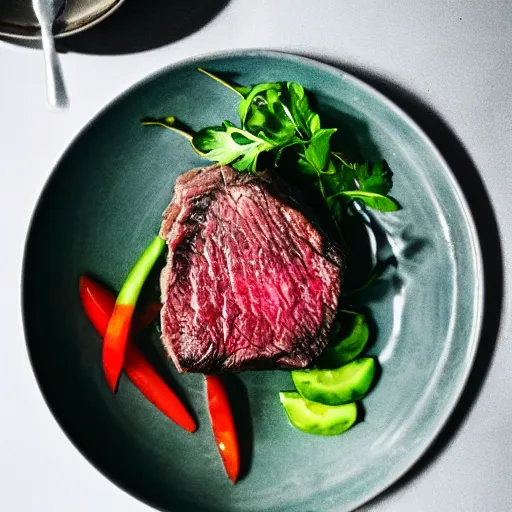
[103,204]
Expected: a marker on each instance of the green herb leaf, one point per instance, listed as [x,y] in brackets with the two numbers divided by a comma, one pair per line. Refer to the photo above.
[228,144]
[308,122]
[317,152]
[280,110]
[376,177]
[264,111]
[306,168]
[258,96]
[370,199]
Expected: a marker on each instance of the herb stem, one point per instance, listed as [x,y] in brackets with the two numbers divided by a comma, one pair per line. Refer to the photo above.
[166,124]
[338,156]
[348,312]
[217,79]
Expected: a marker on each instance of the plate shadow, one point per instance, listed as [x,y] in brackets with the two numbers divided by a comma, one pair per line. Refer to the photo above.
[138,26]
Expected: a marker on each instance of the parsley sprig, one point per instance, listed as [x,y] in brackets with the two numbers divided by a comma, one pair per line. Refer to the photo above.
[275,118]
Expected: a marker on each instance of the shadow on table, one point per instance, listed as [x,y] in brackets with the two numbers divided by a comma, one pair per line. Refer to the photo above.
[139,26]
[475,193]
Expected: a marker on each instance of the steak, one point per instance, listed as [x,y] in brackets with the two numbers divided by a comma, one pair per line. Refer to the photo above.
[249,282]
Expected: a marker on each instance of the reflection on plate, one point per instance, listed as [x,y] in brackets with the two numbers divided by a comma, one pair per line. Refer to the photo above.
[101,207]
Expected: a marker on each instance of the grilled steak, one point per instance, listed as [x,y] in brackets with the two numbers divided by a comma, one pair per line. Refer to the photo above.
[249,282]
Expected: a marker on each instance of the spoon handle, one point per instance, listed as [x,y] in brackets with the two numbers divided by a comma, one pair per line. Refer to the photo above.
[56,90]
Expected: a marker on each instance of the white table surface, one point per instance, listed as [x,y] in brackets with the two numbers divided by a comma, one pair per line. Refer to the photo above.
[455,55]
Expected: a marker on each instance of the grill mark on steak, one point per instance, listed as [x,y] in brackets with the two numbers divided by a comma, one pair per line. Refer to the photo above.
[249,282]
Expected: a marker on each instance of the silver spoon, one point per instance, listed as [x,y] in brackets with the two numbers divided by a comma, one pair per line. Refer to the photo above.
[47,11]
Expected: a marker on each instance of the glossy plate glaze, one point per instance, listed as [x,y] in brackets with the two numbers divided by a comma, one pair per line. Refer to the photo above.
[103,204]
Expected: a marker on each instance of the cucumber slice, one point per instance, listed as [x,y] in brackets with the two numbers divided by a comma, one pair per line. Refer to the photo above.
[335,387]
[354,333]
[313,418]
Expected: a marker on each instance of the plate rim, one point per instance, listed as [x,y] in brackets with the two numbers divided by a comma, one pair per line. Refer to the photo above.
[476,253]
[84,25]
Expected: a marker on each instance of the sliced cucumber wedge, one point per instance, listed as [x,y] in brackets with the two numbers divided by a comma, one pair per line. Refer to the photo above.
[347,383]
[314,418]
[350,335]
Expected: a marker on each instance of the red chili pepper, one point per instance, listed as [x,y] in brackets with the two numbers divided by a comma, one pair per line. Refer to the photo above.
[118,328]
[116,342]
[154,388]
[223,425]
[99,304]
